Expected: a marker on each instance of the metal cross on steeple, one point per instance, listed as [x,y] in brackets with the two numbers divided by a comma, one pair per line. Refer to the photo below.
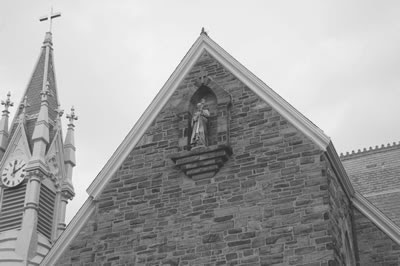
[50,18]
[7,103]
[71,117]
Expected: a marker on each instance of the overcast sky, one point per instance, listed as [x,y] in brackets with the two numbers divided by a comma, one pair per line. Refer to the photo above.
[337,62]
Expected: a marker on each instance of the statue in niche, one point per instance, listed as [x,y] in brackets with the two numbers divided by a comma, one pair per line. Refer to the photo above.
[199,126]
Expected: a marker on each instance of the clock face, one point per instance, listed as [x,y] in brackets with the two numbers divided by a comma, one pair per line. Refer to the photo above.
[13,173]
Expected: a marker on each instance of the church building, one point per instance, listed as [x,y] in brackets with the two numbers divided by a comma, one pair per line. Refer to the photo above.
[219,170]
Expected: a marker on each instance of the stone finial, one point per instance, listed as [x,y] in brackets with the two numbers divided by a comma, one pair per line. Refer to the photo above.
[71,117]
[203,31]
[7,103]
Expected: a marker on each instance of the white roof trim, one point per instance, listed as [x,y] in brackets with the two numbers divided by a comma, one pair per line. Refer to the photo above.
[377,217]
[70,232]
[339,170]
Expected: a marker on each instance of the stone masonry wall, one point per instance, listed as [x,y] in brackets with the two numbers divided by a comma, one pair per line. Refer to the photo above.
[375,247]
[268,205]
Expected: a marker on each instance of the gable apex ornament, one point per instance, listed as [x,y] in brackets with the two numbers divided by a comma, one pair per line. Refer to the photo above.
[203,31]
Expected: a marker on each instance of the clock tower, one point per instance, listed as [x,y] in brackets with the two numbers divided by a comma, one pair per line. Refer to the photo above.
[35,168]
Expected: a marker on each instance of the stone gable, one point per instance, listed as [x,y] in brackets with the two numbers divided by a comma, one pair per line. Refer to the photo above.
[273,201]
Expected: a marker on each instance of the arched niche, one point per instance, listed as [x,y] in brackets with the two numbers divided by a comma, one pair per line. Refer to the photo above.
[205,95]
[203,162]
[218,102]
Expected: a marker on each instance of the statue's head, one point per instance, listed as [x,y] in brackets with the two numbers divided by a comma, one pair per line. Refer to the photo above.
[201,104]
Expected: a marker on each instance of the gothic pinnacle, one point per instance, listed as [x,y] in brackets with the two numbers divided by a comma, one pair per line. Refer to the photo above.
[69,153]
[4,124]
[71,117]
[7,103]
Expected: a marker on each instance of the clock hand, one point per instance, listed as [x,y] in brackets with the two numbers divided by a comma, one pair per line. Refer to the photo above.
[18,169]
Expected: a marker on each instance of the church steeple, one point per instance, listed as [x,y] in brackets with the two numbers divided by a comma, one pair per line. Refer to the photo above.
[36,169]
[43,78]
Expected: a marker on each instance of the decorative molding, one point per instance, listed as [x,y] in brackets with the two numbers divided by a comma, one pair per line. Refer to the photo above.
[203,162]
[370,150]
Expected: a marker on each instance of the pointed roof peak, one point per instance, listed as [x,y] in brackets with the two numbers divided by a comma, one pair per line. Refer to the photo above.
[203,31]
[41,86]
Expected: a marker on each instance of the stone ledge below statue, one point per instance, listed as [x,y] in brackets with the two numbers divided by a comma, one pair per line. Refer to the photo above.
[202,162]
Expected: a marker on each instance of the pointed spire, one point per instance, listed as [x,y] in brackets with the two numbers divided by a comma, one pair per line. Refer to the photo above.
[4,124]
[69,152]
[41,86]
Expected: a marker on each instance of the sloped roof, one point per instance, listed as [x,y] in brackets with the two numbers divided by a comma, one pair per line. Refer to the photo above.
[388,204]
[43,68]
[204,43]
[375,174]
